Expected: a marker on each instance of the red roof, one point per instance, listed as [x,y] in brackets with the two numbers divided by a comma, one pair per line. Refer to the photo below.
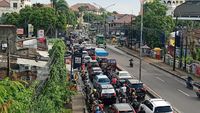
[126,18]
[4,3]
[87,5]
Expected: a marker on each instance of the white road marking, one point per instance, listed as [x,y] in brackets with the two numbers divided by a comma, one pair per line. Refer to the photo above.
[183,92]
[160,79]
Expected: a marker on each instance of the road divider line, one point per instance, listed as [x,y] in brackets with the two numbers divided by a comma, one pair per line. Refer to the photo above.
[183,92]
[160,79]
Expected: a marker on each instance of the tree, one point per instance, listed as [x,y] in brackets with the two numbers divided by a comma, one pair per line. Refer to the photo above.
[155,22]
[15,97]
[55,92]
[11,18]
[38,5]
[115,12]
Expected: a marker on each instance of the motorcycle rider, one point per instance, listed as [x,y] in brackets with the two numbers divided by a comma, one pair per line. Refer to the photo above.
[189,82]
[131,62]
[114,81]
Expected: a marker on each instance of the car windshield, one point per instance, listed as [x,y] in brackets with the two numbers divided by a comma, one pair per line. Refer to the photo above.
[104,80]
[163,109]
[124,74]
[137,86]
[87,58]
[126,112]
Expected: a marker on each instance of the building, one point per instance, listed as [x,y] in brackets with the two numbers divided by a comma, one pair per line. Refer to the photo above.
[115,22]
[9,6]
[87,7]
[171,5]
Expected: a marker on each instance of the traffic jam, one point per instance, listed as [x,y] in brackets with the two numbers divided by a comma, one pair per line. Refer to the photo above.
[109,89]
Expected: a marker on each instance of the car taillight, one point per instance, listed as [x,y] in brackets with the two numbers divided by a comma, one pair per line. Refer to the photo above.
[114,94]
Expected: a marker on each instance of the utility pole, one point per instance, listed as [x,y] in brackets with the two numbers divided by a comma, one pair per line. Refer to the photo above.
[8,57]
[174,61]
[141,38]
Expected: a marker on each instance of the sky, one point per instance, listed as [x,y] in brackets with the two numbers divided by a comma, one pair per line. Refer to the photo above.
[121,6]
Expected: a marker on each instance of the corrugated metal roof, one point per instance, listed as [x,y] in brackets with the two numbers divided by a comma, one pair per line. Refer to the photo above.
[188,9]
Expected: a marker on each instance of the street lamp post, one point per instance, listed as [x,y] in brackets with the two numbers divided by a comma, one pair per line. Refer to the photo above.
[141,38]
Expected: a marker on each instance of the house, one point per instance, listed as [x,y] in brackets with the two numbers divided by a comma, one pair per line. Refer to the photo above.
[87,7]
[116,21]
[9,6]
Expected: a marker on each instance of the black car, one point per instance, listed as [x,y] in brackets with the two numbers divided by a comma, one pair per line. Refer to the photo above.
[138,86]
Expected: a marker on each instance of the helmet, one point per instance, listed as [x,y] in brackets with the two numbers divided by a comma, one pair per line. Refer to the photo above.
[97,108]
[133,93]
[94,90]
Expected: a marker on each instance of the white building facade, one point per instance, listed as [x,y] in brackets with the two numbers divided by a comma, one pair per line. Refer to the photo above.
[9,6]
[171,5]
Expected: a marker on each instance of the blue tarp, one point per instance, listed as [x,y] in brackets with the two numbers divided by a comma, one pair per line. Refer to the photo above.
[101,52]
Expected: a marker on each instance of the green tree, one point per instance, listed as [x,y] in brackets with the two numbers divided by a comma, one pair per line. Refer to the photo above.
[155,22]
[15,97]
[11,18]
[55,92]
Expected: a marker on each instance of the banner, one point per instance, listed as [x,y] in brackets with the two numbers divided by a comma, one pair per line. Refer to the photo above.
[30,30]
[40,33]
[20,31]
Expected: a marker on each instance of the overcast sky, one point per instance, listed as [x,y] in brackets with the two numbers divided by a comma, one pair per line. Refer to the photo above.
[121,6]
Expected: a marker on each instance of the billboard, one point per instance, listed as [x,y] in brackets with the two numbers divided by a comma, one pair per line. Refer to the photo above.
[20,31]
[40,33]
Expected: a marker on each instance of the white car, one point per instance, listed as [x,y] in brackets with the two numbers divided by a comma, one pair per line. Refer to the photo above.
[84,53]
[156,106]
[123,75]
[87,59]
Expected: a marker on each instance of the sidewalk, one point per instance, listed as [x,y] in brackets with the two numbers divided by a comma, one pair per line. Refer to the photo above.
[159,64]
[78,103]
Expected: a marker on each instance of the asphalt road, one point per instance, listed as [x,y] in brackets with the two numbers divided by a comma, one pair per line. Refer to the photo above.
[167,86]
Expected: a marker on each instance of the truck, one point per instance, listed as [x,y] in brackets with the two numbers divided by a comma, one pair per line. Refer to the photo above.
[100,41]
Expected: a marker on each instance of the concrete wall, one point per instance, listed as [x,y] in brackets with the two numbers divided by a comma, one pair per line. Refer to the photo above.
[8,31]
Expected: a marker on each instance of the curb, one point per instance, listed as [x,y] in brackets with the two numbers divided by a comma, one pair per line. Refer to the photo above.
[128,52]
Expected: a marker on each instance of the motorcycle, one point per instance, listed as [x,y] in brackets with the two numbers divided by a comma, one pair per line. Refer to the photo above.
[131,62]
[189,83]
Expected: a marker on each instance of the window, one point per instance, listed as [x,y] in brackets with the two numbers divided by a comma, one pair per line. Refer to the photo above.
[15,5]
[148,104]
[163,109]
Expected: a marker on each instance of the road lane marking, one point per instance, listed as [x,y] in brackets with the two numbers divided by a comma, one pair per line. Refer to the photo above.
[183,92]
[160,79]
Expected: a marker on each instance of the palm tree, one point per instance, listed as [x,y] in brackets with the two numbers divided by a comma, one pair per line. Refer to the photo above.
[60,5]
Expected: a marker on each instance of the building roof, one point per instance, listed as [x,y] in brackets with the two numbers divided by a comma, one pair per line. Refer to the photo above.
[188,9]
[4,3]
[88,6]
[125,19]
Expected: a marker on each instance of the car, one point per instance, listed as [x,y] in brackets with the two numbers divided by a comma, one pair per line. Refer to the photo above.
[93,63]
[94,71]
[107,93]
[122,75]
[138,86]
[101,46]
[156,105]
[121,108]
[84,53]
[87,59]
[100,80]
